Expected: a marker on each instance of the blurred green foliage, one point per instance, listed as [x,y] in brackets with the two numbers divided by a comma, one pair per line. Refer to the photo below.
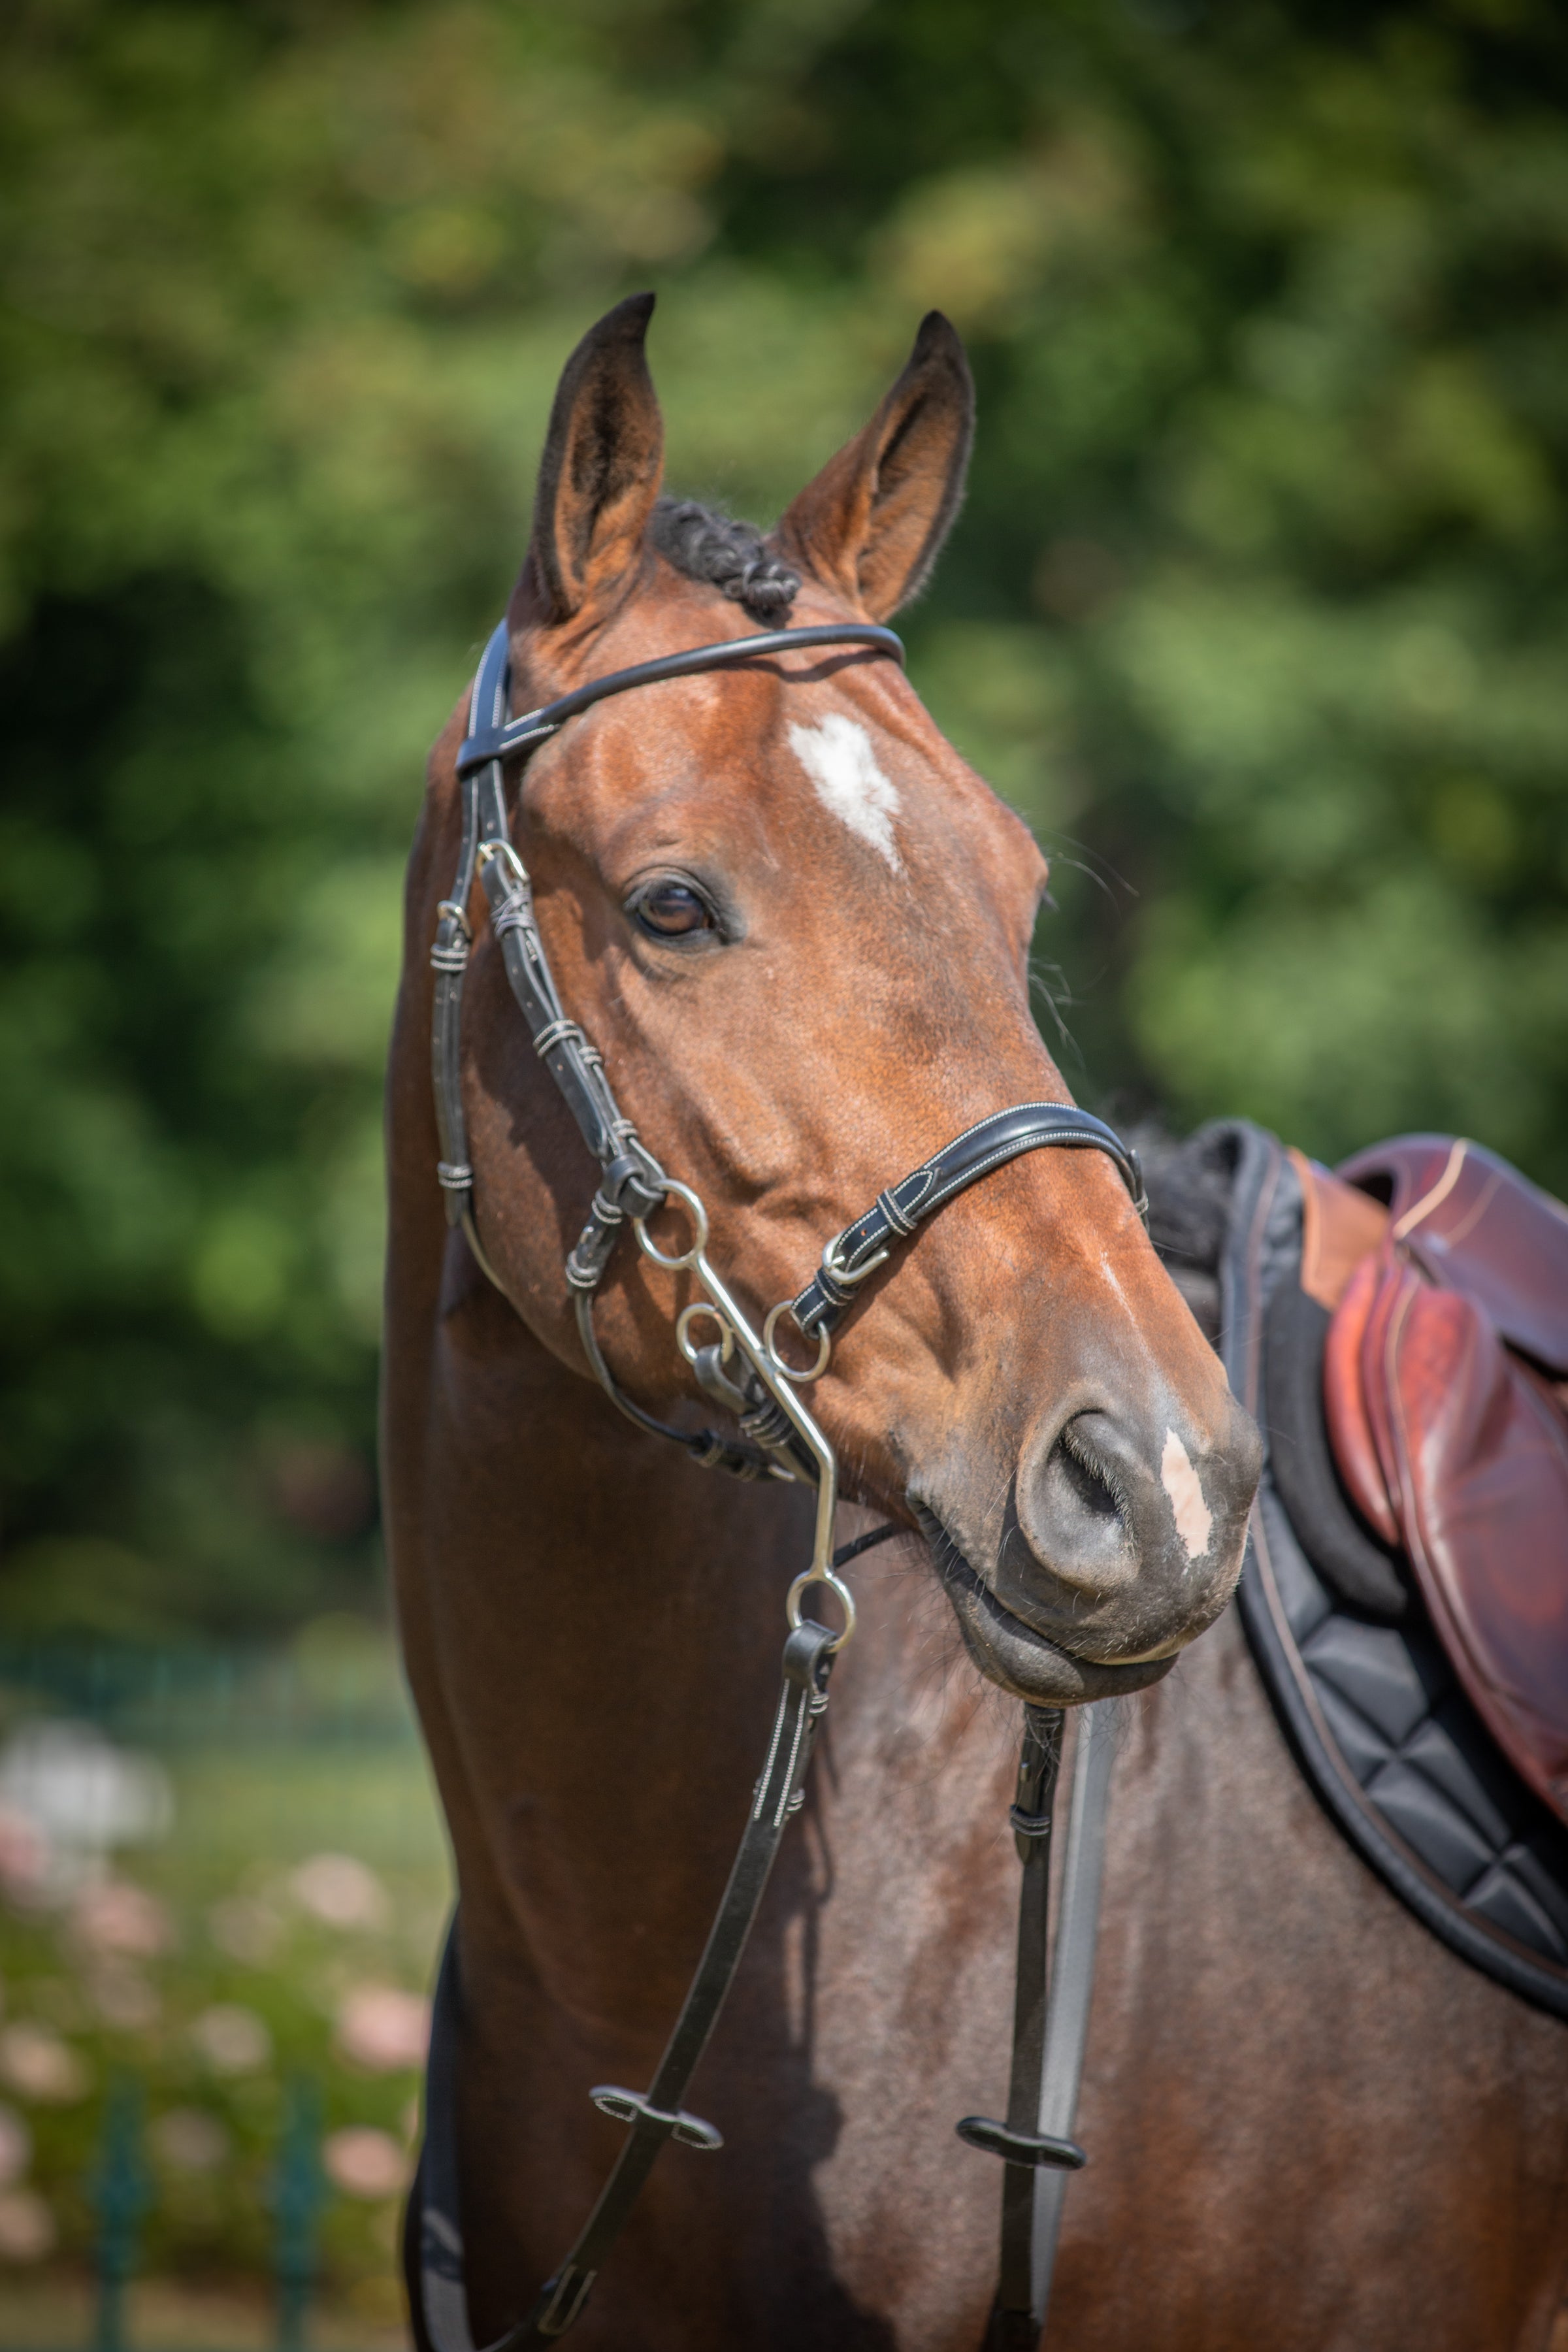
[1256,608]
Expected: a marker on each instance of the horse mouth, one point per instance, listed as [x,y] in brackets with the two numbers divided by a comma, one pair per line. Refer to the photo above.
[1015,1655]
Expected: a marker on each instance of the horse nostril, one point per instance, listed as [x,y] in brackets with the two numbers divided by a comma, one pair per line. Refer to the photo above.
[1089,1478]
[1074,1509]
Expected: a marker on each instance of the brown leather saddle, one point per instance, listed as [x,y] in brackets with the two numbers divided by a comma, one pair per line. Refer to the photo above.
[1446,1276]
[1358,1662]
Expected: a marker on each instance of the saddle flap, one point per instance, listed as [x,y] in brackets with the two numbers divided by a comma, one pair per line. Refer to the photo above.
[1449,1438]
[1475,1225]
[1474,1453]
[1345,1409]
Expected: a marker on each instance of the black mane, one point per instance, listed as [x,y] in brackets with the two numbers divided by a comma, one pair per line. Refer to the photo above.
[1189,1186]
[733,557]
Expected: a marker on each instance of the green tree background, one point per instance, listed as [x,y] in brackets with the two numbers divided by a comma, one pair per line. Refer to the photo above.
[1256,610]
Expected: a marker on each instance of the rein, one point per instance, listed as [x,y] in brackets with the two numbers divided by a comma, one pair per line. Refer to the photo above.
[743,1371]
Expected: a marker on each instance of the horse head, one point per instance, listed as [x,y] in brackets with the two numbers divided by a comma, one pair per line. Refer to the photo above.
[796,925]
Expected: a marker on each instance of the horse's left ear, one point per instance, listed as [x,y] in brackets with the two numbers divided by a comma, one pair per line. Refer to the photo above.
[872,523]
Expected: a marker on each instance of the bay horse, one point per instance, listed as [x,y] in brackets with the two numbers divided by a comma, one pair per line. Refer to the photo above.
[796,926]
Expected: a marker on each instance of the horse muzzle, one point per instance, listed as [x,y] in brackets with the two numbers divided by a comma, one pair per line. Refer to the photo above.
[1120,1541]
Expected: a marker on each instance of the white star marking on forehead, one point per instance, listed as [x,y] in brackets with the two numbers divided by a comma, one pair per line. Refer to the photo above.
[836,755]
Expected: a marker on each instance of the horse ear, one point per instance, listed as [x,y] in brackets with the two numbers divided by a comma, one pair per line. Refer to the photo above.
[599,476]
[872,523]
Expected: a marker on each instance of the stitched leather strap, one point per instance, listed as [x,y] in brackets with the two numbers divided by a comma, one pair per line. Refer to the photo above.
[1018,2141]
[1035,2143]
[1072,1980]
[893,1216]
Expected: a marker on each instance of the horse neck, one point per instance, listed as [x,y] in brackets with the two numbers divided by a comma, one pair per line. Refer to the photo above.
[592,1626]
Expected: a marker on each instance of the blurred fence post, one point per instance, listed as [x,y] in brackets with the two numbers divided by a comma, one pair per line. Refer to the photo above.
[299,2193]
[119,2191]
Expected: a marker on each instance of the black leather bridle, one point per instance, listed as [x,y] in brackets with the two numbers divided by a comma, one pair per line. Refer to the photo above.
[777,1437]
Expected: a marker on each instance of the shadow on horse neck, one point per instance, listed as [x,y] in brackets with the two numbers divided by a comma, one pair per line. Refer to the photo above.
[796,925]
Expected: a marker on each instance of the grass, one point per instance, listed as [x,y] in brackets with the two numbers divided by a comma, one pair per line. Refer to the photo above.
[57,2313]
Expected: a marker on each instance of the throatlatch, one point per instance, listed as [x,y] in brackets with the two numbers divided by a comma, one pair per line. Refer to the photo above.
[743,1371]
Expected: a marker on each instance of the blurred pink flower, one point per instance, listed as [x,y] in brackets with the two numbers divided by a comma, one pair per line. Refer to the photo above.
[123,1918]
[40,2066]
[232,2040]
[362,2162]
[24,1857]
[384,2030]
[340,1891]
[15,2147]
[27,2226]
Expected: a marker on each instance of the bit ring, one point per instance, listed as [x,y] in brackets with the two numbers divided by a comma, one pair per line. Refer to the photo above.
[688,1257]
[682,1326]
[788,1372]
[842,1593]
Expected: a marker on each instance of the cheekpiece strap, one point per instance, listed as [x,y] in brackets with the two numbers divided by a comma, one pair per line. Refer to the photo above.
[633,1183]
[857,1252]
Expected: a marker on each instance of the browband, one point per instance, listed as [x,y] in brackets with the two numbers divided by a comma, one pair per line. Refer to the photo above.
[863,1246]
[521,734]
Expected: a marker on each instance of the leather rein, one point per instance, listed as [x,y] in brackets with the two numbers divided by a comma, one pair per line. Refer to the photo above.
[743,1371]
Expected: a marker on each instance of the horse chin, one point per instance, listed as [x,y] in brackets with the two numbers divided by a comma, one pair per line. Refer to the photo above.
[1013,1655]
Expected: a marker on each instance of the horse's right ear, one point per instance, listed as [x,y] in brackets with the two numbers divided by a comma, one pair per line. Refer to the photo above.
[599,476]
[872,523]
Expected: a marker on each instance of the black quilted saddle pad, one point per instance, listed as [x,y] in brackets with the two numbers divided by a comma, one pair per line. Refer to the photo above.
[1375,1713]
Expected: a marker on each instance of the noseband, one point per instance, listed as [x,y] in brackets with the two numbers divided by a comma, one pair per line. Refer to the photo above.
[742,1369]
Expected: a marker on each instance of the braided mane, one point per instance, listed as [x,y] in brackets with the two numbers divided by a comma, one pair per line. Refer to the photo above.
[732,556]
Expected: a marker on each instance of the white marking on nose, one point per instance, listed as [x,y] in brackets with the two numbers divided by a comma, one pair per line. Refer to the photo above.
[836,755]
[1194,1520]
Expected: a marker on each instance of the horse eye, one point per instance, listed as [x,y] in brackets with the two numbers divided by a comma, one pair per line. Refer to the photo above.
[673,911]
